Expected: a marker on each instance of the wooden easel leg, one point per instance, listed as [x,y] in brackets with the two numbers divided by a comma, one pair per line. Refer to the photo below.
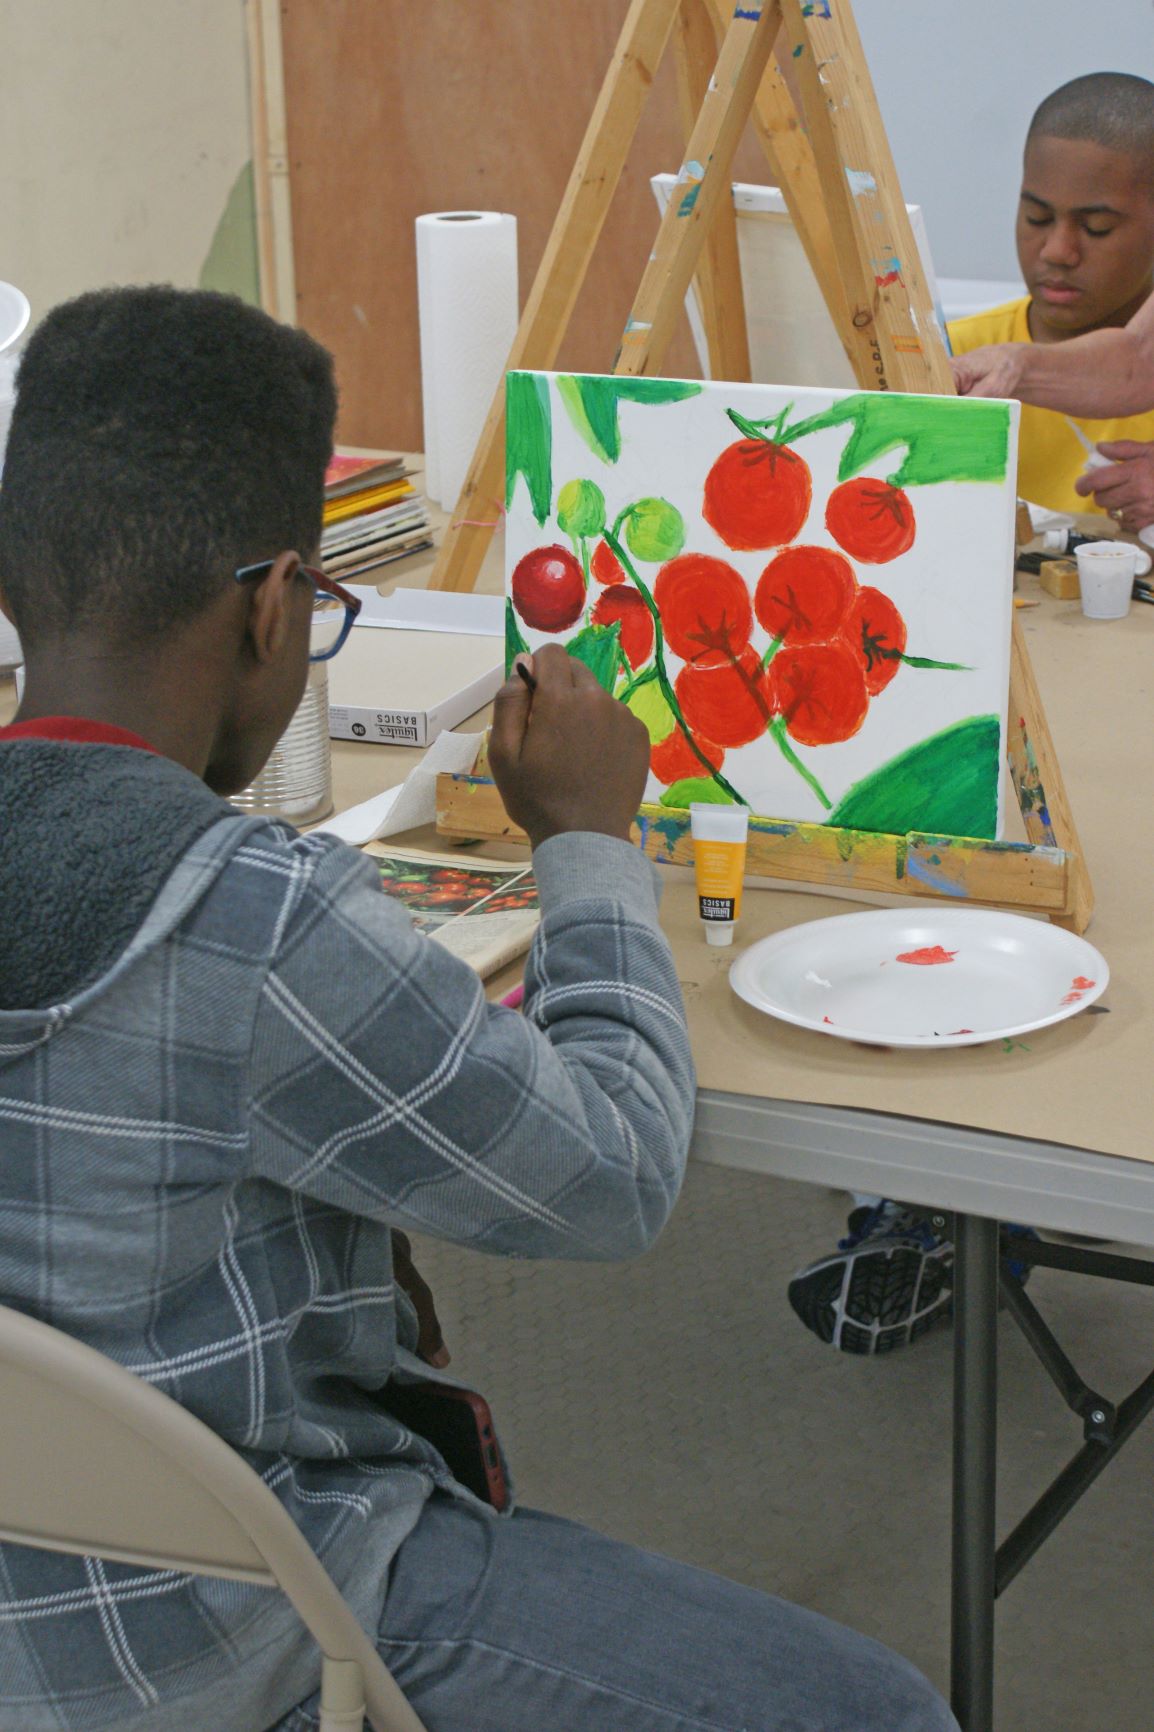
[892,318]
[719,290]
[794,171]
[1038,781]
[559,278]
[703,184]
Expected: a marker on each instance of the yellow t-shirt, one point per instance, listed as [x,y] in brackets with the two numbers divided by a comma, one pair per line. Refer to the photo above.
[1050,457]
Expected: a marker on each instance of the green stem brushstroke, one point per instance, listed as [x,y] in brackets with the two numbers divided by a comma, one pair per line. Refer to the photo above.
[945,667]
[634,682]
[946,438]
[529,441]
[592,402]
[776,732]
[667,692]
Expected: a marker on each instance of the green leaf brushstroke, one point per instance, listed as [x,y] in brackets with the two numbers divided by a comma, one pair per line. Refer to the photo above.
[592,402]
[945,785]
[515,644]
[529,441]
[599,647]
[947,438]
[694,789]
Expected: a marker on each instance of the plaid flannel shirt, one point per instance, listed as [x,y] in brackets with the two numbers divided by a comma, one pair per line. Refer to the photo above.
[202,1153]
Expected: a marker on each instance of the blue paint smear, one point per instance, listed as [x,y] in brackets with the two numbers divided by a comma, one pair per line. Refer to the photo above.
[688,202]
[918,868]
[816,9]
[753,13]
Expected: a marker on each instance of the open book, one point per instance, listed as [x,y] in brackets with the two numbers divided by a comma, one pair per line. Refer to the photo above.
[484,911]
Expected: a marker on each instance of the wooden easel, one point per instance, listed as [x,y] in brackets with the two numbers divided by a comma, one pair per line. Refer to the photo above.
[841,188]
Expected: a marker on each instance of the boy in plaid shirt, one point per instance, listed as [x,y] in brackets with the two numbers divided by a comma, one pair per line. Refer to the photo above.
[229,1068]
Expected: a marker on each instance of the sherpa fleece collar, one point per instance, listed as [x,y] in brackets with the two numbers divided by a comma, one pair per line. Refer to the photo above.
[89,833]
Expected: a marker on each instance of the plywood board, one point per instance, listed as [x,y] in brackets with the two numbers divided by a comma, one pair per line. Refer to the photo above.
[468,104]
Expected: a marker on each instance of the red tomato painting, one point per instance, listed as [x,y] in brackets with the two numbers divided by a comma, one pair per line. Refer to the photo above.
[605,565]
[804,594]
[724,698]
[548,588]
[820,690]
[876,632]
[622,602]
[757,495]
[674,758]
[704,605]
[872,520]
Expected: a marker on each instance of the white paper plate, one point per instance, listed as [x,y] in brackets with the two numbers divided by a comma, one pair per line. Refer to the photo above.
[953,977]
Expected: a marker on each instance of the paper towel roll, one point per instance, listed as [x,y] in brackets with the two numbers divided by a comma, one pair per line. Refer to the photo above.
[467,302]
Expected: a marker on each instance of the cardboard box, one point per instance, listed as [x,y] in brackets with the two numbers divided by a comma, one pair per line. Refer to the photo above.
[405,675]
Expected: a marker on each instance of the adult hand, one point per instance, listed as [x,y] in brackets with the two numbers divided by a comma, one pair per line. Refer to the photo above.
[1126,488]
[995,370]
[566,756]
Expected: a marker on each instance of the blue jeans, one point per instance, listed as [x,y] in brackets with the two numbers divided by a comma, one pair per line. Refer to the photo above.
[537,1625]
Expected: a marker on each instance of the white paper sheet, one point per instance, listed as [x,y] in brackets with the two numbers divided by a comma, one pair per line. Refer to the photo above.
[413,801]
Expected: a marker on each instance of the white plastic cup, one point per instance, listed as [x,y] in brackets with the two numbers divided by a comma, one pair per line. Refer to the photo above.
[1106,574]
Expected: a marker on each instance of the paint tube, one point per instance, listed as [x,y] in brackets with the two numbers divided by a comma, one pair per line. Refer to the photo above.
[719,835]
[1065,540]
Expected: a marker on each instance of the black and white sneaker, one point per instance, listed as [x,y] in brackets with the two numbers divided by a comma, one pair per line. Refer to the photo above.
[889,1281]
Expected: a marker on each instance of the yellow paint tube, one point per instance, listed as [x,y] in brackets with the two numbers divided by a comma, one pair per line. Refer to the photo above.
[720,834]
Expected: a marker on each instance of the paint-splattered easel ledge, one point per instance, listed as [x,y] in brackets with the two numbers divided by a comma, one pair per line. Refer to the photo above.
[960,869]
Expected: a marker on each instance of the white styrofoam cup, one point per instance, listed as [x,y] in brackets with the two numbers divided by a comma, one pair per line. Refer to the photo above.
[1106,573]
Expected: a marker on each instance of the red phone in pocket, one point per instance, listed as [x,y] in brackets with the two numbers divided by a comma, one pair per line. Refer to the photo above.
[459,1424]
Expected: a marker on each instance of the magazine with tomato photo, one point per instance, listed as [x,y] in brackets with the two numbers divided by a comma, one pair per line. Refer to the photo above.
[484,911]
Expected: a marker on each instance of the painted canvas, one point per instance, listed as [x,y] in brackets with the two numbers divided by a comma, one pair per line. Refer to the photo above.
[805,595]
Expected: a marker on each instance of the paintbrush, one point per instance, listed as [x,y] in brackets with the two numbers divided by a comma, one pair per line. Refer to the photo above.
[529,679]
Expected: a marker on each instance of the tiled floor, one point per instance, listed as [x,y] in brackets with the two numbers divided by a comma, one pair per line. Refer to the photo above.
[677,1402]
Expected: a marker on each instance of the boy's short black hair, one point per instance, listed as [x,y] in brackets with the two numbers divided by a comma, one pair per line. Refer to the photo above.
[1113,109]
[161,438]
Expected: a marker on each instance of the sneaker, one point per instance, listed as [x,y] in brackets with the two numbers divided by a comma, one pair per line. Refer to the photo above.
[890,1280]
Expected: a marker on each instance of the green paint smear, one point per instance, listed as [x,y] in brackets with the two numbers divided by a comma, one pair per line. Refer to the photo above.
[691,789]
[592,402]
[948,438]
[232,263]
[515,644]
[946,785]
[649,705]
[529,441]
[599,647]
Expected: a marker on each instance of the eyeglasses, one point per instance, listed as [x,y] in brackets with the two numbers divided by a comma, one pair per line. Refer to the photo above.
[334,607]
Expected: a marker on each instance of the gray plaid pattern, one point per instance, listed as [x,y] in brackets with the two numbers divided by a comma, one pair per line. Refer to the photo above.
[203,1153]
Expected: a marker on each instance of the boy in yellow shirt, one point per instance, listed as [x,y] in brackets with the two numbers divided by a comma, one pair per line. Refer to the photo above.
[1086,249]
[1085,235]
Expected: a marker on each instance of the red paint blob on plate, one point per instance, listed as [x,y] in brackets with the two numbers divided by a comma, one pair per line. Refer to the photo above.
[1081,983]
[928,957]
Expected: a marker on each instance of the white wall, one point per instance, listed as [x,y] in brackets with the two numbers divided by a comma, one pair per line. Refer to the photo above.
[957,82]
[124,144]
